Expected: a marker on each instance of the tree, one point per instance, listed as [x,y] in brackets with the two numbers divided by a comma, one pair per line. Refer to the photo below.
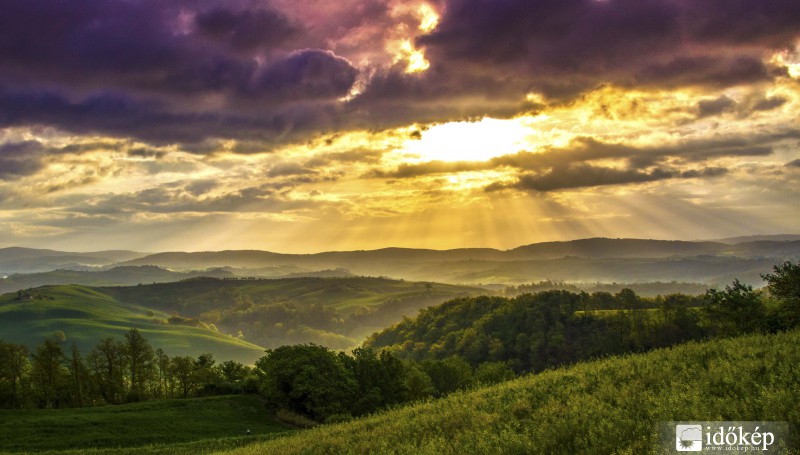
[139,360]
[107,364]
[164,388]
[14,367]
[307,379]
[737,309]
[205,375]
[183,371]
[233,371]
[418,383]
[48,374]
[448,375]
[78,378]
[784,285]
[380,378]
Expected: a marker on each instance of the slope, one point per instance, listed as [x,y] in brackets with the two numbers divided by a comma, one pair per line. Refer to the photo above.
[606,406]
[87,315]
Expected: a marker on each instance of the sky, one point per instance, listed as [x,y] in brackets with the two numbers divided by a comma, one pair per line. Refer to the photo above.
[308,125]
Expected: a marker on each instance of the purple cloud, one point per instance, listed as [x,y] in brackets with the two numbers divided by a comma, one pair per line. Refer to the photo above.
[185,71]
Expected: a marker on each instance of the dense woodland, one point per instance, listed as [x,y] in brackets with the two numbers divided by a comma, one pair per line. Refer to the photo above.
[457,345]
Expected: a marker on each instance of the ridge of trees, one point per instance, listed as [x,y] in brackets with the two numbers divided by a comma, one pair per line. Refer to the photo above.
[532,332]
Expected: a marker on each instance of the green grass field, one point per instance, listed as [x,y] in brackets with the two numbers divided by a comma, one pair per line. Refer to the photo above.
[199,425]
[603,407]
[86,316]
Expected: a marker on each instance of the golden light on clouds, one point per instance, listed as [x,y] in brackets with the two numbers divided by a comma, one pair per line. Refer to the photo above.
[788,59]
[401,45]
[470,141]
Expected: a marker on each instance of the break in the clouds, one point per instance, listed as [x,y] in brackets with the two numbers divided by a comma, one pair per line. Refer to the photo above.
[304,124]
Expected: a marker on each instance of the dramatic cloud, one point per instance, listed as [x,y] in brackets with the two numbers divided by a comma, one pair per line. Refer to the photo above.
[433,122]
[564,47]
[277,70]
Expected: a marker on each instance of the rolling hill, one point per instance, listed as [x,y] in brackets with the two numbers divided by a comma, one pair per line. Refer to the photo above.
[335,312]
[86,316]
[613,405]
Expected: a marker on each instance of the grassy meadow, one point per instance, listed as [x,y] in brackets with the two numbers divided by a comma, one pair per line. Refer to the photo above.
[87,315]
[605,406]
[198,425]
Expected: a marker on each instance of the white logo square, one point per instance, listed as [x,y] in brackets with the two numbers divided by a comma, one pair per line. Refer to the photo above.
[688,438]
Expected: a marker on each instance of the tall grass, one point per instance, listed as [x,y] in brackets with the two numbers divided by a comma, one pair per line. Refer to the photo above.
[605,406]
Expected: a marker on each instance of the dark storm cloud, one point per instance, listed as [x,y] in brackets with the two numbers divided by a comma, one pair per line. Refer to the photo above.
[246,30]
[123,115]
[186,71]
[562,47]
[139,69]
[307,74]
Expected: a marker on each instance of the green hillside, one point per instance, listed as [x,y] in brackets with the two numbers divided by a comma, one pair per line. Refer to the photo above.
[87,315]
[190,426]
[335,312]
[606,406]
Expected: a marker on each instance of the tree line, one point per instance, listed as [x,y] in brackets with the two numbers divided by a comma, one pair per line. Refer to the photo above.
[54,375]
[310,380]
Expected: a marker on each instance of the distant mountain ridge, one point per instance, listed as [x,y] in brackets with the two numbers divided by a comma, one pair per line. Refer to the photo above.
[584,248]
[31,260]
[584,260]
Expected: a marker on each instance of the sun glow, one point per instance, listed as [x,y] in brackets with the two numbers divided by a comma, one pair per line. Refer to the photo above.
[401,45]
[470,141]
